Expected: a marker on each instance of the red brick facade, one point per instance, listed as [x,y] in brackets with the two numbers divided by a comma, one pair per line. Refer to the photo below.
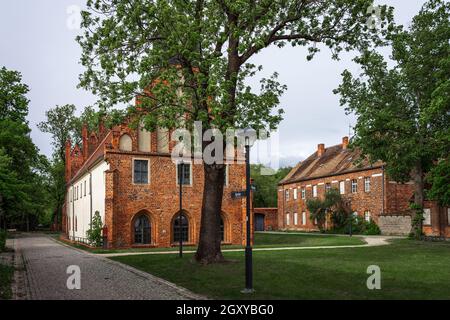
[269,216]
[158,199]
[335,166]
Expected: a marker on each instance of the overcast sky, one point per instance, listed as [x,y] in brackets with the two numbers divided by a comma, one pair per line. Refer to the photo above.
[36,40]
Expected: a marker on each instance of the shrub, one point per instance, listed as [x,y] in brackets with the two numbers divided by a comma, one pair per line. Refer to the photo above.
[94,234]
[2,240]
[371,228]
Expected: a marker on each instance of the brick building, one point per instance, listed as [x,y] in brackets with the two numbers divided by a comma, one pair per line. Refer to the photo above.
[129,177]
[265,219]
[370,191]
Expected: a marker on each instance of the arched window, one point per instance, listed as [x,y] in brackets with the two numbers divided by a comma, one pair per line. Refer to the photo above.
[180,228]
[125,143]
[142,230]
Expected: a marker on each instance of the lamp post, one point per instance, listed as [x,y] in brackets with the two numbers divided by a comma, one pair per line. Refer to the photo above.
[180,229]
[248,247]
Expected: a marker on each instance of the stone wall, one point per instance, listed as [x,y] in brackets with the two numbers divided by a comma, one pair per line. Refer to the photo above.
[395,224]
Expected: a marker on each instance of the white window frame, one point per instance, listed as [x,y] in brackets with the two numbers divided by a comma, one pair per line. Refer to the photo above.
[427,217]
[295,193]
[288,219]
[314,191]
[148,172]
[286,194]
[303,193]
[190,173]
[295,218]
[367,184]
[342,187]
[354,186]
[327,187]
[367,216]
[304,218]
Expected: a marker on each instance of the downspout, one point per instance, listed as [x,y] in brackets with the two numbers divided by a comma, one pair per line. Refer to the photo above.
[73,212]
[90,195]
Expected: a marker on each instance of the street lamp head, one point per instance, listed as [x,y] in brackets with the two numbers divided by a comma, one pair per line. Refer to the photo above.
[249,136]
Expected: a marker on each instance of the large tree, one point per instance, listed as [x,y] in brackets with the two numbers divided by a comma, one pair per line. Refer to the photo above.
[403,111]
[189,61]
[22,195]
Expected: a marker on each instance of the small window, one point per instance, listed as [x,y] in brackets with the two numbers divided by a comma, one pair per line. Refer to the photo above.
[427,216]
[295,193]
[81,188]
[295,218]
[314,191]
[367,216]
[354,186]
[85,188]
[342,187]
[184,173]
[287,194]
[226,181]
[303,218]
[140,172]
[288,219]
[303,193]
[327,187]
[367,184]
[125,143]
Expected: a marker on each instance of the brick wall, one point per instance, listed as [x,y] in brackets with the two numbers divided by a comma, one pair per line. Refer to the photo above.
[361,201]
[270,217]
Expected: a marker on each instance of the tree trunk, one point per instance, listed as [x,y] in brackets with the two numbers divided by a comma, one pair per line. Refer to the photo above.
[208,250]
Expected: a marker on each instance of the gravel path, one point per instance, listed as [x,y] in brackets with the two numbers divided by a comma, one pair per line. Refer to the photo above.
[46,262]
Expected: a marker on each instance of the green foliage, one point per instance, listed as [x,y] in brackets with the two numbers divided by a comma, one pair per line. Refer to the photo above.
[266,193]
[2,240]
[22,195]
[94,234]
[439,179]
[403,111]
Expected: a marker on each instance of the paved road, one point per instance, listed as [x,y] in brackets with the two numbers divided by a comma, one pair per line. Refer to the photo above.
[46,262]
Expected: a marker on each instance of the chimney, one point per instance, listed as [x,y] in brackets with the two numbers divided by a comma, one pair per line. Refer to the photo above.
[320,149]
[344,143]
[68,160]
[84,135]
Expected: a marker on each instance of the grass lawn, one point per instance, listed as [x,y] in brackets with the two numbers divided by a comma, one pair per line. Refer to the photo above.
[6,274]
[409,270]
[262,240]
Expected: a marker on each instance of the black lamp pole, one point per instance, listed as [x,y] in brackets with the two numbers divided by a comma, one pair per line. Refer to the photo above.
[180,229]
[248,247]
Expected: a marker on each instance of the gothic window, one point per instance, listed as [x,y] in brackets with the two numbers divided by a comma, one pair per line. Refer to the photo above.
[180,228]
[125,143]
[142,230]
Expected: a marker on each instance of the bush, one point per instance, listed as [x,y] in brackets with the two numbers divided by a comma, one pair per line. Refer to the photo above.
[2,240]
[94,234]
[371,228]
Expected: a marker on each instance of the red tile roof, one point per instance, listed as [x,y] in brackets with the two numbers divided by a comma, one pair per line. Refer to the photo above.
[334,161]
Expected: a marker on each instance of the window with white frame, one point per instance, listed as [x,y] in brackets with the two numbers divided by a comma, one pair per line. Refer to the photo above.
[296,218]
[354,186]
[303,218]
[85,188]
[327,187]
[367,215]
[342,187]
[314,191]
[81,189]
[288,219]
[303,193]
[140,171]
[367,184]
[286,192]
[427,216]
[295,193]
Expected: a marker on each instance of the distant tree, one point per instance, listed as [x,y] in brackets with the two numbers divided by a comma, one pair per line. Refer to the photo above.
[13,102]
[266,193]
[439,179]
[403,112]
